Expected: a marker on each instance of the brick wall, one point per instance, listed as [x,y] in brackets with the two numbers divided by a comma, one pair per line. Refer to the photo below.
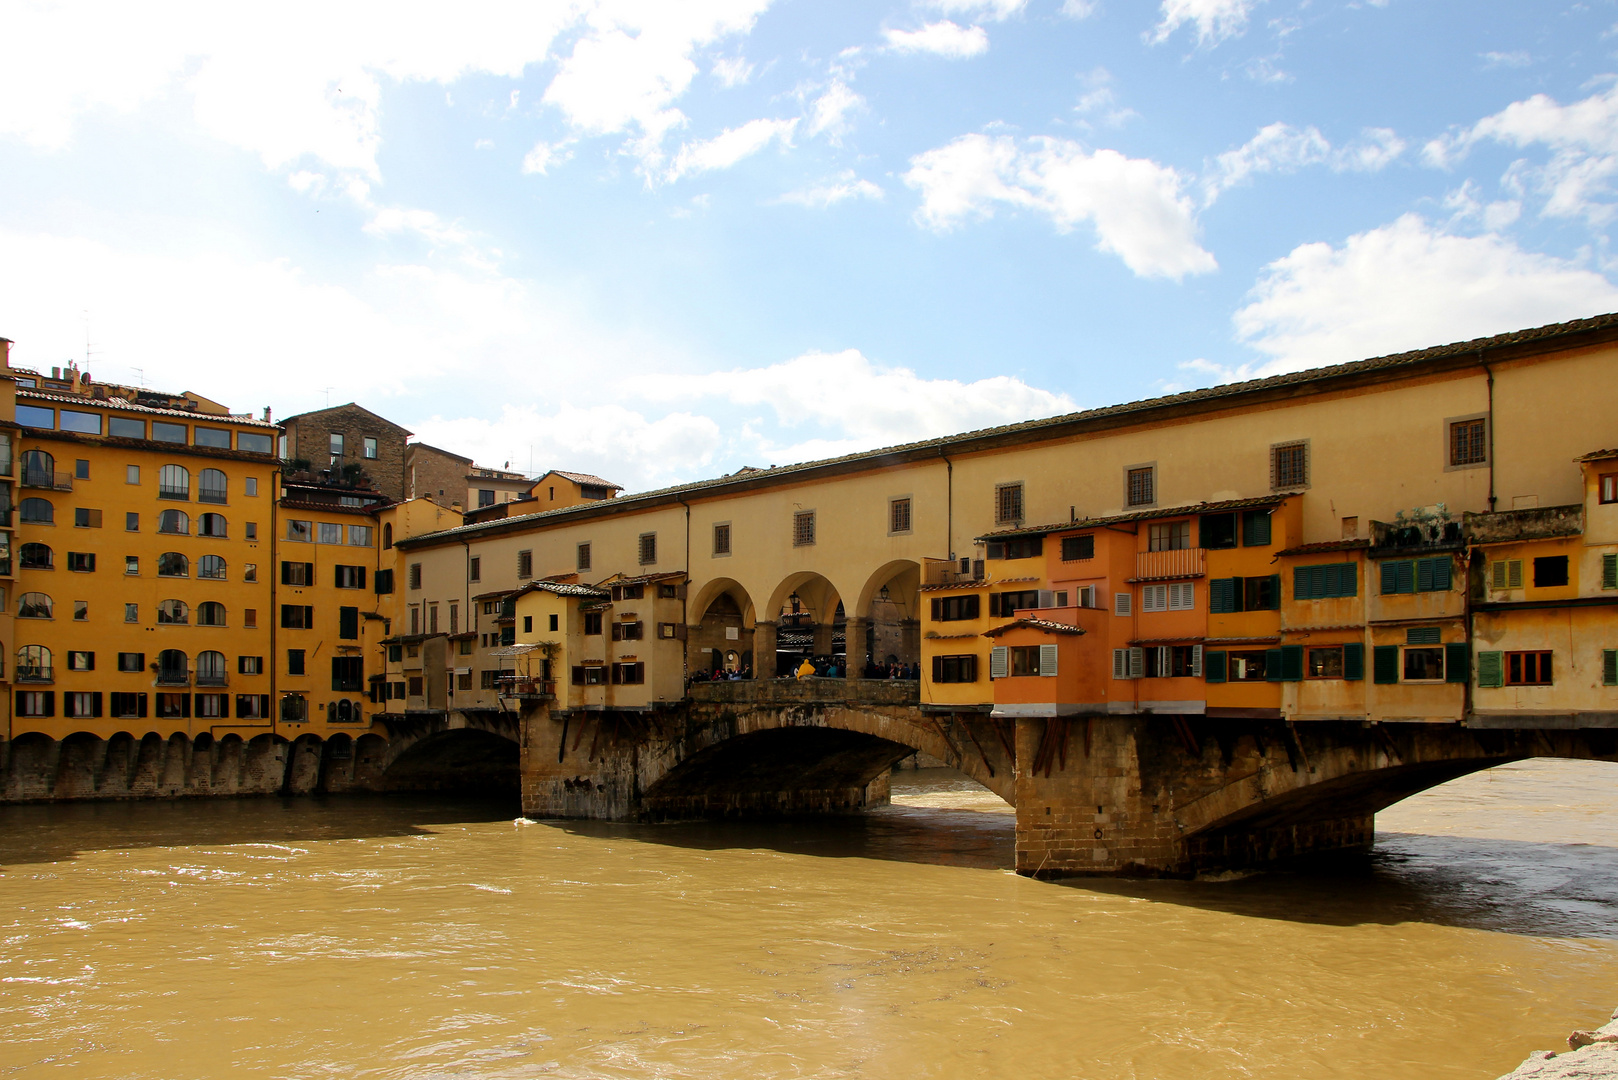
[436,474]
[309,437]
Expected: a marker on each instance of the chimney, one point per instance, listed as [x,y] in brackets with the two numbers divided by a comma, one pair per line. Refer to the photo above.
[266,414]
[5,352]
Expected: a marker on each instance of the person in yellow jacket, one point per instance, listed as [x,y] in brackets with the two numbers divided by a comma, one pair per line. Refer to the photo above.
[805,669]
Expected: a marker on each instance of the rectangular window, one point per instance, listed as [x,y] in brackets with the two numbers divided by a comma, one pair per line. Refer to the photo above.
[213,706]
[583,562]
[528,624]
[955,608]
[721,538]
[330,533]
[301,574]
[1217,531]
[348,623]
[1326,663]
[1528,668]
[131,474]
[1023,547]
[249,665]
[415,575]
[218,438]
[370,448]
[301,531]
[455,619]
[1325,581]
[128,706]
[592,623]
[358,535]
[336,444]
[1550,571]
[1289,466]
[1261,593]
[627,631]
[525,564]
[1182,596]
[86,519]
[384,581]
[1609,487]
[432,618]
[85,423]
[1247,666]
[1123,603]
[648,549]
[554,620]
[169,433]
[347,673]
[1468,442]
[350,577]
[81,661]
[1169,536]
[131,522]
[81,469]
[474,568]
[81,704]
[1154,598]
[294,661]
[1173,662]
[803,528]
[1424,664]
[1078,548]
[899,515]
[131,613]
[250,618]
[35,417]
[81,562]
[1140,485]
[629,674]
[1505,574]
[131,661]
[1007,604]
[955,669]
[1256,528]
[124,428]
[1008,507]
[250,485]
[297,617]
[1416,575]
[35,702]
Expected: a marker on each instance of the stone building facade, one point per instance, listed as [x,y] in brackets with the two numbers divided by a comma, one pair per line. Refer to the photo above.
[349,435]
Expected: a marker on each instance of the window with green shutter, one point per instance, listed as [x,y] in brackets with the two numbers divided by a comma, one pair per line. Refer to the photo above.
[1256,528]
[1491,672]
[1398,576]
[1213,666]
[1385,664]
[1423,635]
[1272,665]
[1291,663]
[1433,575]
[1354,661]
[1456,657]
[1224,595]
[1609,571]
[1609,667]
[1325,581]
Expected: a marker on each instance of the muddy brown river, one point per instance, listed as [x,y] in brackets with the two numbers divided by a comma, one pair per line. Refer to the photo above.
[398,938]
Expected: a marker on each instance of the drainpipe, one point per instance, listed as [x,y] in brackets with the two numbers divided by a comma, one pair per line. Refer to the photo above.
[949,505]
[685,648]
[1490,427]
[274,613]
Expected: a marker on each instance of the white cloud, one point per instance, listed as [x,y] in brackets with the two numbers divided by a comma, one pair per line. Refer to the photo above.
[1281,148]
[979,10]
[1215,20]
[845,186]
[1138,207]
[941,38]
[1506,59]
[1403,286]
[732,71]
[830,112]
[1099,102]
[730,146]
[1577,180]
[865,405]
[1080,9]
[545,156]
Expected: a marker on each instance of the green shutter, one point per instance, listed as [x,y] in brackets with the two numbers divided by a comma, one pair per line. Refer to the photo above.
[1303,583]
[1292,663]
[1609,667]
[1424,635]
[1390,576]
[1433,575]
[1424,575]
[1348,579]
[1491,671]
[1456,657]
[1256,528]
[1213,666]
[1609,571]
[1273,665]
[1385,663]
[1224,595]
[1354,661]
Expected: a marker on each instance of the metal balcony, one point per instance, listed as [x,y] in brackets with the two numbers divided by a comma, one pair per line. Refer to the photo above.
[47,480]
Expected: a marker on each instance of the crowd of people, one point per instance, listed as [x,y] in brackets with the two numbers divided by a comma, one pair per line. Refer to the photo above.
[822,667]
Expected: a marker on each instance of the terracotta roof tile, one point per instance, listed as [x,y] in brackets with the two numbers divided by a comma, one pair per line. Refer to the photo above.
[1046,625]
[1140,515]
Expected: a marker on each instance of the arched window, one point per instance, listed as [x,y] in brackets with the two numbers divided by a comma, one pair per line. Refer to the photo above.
[212,486]
[35,605]
[212,567]
[34,664]
[387,535]
[173,482]
[173,564]
[211,669]
[211,525]
[210,613]
[36,557]
[173,667]
[38,469]
[37,511]
[173,611]
[345,711]
[175,522]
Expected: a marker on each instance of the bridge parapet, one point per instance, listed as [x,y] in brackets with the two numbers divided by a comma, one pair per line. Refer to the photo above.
[813,690]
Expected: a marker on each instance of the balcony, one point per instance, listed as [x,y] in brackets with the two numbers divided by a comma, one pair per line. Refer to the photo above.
[1537,523]
[174,678]
[950,572]
[524,688]
[210,680]
[1424,531]
[33,673]
[1167,565]
[47,479]
[807,691]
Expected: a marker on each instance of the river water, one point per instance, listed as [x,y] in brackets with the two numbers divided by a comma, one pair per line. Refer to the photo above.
[378,937]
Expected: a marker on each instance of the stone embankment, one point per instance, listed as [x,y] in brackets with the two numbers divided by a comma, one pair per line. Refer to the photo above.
[1591,1055]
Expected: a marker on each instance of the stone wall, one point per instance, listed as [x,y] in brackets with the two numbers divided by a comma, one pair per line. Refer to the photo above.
[309,437]
[436,474]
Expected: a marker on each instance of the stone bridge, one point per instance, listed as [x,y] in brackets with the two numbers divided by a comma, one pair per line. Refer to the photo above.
[1130,795]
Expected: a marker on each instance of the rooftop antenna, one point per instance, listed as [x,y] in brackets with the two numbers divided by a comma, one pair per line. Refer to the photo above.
[140,377]
[328,397]
[87,347]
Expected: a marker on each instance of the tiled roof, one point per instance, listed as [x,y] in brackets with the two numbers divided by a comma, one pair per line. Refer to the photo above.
[1046,625]
[566,588]
[644,579]
[1052,427]
[1139,515]
[587,480]
[120,405]
[1325,546]
[1600,455]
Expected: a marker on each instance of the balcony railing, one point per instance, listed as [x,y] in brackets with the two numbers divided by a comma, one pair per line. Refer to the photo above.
[949,572]
[174,678]
[211,680]
[33,673]
[47,480]
[1162,565]
[789,691]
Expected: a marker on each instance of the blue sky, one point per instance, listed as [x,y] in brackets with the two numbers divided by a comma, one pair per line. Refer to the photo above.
[663,240]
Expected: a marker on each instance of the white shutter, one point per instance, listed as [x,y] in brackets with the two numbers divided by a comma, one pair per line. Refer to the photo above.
[1047,660]
[1120,603]
[998,662]
[1120,663]
[1047,598]
[1182,597]
[1196,661]
[1154,598]
[1165,661]
[1137,662]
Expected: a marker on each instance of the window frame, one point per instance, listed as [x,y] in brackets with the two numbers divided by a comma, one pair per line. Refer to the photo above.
[1450,424]
[1010,503]
[1149,469]
[907,502]
[1277,481]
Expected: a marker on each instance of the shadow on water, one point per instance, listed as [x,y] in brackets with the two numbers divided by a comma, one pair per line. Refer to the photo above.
[54,832]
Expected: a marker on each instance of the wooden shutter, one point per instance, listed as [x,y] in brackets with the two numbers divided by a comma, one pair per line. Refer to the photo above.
[95,703]
[1214,665]
[938,669]
[617,631]
[1047,660]
[360,570]
[1456,657]
[348,622]
[1256,528]
[1196,661]
[938,608]
[1609,571]
[997,549]
[1491,669]
[1292,663]
[1385,663]
[578,674]
[1609,667]
[1137,662]
[1354,660]
[998,662]
[140,705]
[1272,665]
[969,606]
[1120,663]
[1275,593]
[1304,584]
[1121,603]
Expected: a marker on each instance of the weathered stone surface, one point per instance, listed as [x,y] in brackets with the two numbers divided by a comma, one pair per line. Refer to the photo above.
[1594,1057]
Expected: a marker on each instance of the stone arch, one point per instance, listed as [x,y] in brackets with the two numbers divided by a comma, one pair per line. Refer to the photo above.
[805,617]
[77,758]
[464,759]
[302,765]
[886,620]
[228,764]
[721,606]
